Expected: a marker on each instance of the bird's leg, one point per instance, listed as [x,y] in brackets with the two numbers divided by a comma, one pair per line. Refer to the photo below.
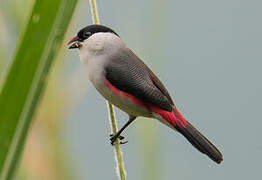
[119,137]
[118,134]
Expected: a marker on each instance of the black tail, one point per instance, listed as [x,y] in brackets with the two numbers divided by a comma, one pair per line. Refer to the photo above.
[200,142]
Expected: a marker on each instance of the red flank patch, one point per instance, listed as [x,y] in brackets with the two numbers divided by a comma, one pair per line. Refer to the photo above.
[174,118]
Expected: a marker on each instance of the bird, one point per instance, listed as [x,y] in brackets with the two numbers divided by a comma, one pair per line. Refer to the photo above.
[124,80]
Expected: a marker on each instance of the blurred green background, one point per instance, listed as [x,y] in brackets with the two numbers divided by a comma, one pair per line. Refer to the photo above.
[207,53]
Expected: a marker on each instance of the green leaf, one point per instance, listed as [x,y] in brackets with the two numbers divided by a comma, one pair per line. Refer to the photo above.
[27,75]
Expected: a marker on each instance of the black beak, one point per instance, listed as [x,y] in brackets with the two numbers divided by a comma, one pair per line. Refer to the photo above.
[75,43]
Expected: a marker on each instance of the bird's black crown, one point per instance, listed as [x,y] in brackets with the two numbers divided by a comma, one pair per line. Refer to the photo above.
[88,31]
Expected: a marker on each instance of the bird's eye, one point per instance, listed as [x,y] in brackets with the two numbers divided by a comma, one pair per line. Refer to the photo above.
[87,34]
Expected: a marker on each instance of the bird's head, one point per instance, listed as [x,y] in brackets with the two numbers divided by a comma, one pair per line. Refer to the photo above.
[83,36]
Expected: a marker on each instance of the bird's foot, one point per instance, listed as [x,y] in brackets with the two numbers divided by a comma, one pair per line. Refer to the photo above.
[113,138]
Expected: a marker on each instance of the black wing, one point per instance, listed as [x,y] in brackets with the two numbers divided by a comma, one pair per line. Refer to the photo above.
[129,74]
[160,86]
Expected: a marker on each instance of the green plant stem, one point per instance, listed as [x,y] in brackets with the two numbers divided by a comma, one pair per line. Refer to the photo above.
[118,153]
[94,11]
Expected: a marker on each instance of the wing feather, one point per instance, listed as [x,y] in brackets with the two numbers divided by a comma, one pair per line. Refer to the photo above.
[128,73]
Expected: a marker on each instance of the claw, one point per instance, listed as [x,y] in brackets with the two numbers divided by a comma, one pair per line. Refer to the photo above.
[119,137]
[123,142]
[114,137]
